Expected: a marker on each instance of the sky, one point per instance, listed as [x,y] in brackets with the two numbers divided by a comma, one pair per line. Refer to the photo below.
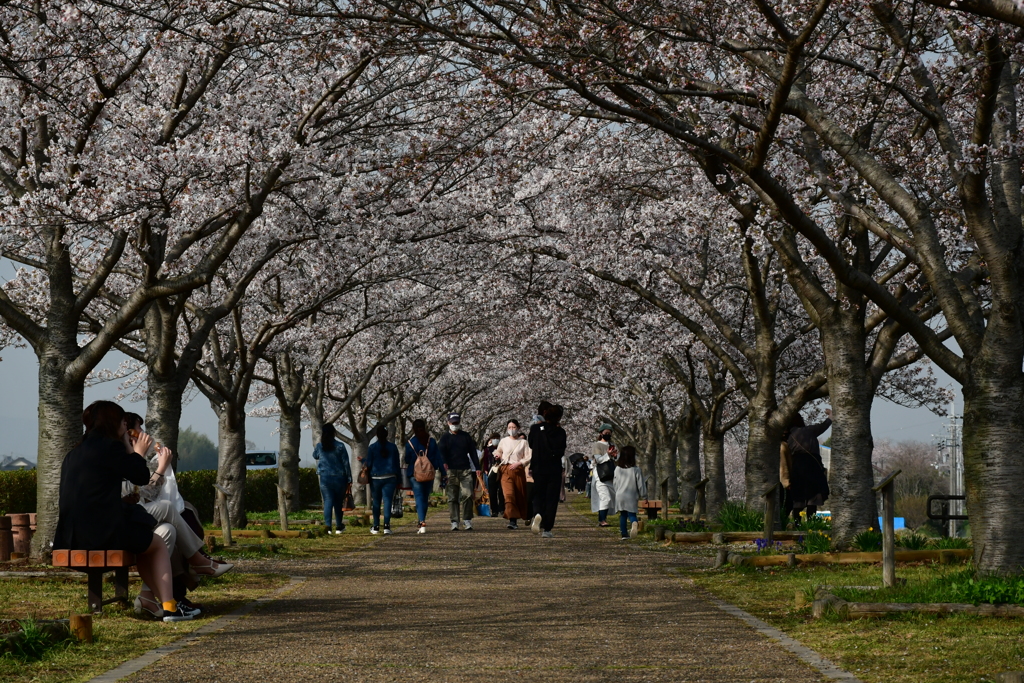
[20,394]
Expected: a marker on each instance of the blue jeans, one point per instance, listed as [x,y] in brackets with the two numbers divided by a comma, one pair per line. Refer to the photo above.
[383,489]
[602,515]
[421,490]
[332,490]
[622,521]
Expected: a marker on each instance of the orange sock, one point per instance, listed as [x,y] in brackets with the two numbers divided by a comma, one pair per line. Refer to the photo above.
[170,606]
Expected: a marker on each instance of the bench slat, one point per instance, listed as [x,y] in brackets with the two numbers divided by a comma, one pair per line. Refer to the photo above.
[79,558]
[61,558]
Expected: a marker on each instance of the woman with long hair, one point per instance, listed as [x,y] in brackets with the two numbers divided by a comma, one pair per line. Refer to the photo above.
[383,462]
[422,445]
[335,472]
[514,455]
[92,514]
[801,469]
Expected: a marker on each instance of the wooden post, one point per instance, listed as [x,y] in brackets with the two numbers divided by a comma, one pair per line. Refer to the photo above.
[769,512]
[81,627]
[700,501]
[664,499]
[282,507]
[225,516]
[886,487]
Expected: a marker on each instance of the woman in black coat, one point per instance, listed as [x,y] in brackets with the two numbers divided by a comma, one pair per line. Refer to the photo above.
[92,514]
[808,480]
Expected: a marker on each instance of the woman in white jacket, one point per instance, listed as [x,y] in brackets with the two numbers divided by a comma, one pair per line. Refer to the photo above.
[630,487]
[602,493]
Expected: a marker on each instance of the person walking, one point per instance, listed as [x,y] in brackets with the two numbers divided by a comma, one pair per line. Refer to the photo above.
[547,443]
[458,450]
[335,473]
[602,490]
[629,487]
[421,473]
[492,479]
[383,463]
[801,469]
[513,455]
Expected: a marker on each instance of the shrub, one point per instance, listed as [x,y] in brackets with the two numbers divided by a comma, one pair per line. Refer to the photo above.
[816,542]
[990,589]
[868,541]
[952,543]
[738,517]
[197,488]
[671,525]
[912,541]
[34,641]
[17,491]
[699,526]
[816,523]
[260,490]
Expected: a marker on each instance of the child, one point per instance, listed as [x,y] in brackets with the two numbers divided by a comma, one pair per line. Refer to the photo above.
[630,487]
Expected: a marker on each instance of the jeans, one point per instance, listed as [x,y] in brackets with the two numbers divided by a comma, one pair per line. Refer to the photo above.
[383,490]
[602,515]
[460,494]
[332,490]
[623,515]
[421,490]
[546,489]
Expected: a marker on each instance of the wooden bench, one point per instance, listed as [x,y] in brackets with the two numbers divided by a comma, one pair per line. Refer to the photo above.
[95,563]
[651,507]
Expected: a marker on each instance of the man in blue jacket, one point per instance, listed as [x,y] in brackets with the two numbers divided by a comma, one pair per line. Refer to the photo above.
[459,452]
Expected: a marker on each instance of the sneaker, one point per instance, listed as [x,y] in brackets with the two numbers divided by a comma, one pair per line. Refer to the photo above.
[546,534]
[455,526]
[535,527]
[467,525]
[624,538]
[422,529]
[341,527]
[513,526]
[198,609]
[181,613]
[375,530]
[387,529]
[633,529]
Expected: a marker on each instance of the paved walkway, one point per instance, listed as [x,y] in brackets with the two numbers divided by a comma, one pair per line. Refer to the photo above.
[488,606]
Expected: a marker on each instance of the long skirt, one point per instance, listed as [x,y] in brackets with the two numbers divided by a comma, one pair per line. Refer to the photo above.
[513,486]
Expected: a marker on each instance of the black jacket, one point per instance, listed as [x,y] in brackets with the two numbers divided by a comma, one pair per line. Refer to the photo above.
[458,451]
[547,441]
[806,471]
[92,514]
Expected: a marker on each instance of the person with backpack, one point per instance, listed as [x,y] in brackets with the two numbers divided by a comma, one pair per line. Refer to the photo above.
[458,449]
[422,460]
[335,473]
[602,488]
[384,468]
[629,487]
[513,455]
[801,469]
[547,445]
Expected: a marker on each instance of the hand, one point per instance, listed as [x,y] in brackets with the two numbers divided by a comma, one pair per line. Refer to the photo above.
[164,457]
[142,444]
[828,413]
[132,498]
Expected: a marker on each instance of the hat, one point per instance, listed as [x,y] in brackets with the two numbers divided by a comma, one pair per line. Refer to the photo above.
[454,418]
[605,427]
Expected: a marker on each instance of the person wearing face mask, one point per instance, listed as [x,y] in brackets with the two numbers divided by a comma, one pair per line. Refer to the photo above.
[514,454]
[458,450]
[602,485]
[489,468]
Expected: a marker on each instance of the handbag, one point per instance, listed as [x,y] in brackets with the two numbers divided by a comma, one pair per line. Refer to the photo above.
[396,505]
[606,471]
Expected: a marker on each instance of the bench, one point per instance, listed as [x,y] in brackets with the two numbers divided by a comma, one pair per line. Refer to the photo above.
[651,507]
[95,563]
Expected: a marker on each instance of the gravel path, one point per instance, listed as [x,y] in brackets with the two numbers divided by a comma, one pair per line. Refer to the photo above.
[489,606]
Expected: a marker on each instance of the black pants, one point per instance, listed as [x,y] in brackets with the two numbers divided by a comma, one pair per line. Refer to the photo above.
[496,495]
[547,487]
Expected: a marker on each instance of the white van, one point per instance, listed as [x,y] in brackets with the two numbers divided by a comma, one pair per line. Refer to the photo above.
[260,460]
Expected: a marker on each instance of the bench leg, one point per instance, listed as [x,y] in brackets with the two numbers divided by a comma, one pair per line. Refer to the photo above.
[95,590]
[121,584]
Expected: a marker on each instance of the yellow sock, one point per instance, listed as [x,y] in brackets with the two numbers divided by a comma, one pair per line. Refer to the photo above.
[170,606]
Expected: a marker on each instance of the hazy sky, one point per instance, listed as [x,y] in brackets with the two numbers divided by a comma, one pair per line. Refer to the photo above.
[20,394]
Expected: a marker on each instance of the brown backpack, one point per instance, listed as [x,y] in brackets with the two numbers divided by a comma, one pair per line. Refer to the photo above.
[422,469]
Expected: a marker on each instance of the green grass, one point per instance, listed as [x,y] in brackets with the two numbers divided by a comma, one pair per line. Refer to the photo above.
[738,517]
[953,585]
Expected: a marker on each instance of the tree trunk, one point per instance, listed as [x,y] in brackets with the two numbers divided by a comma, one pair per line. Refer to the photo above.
[714,468]
[60,430]
[993,465]
[761,470]
[231,462]
[357,453]
[667,469]
[163,411]
[288,457]
[689,460]
[851,478]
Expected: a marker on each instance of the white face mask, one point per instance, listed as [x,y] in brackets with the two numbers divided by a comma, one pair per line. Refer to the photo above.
[513,432]
[454,428]
[494,442]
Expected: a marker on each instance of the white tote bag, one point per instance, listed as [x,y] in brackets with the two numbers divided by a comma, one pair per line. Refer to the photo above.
[169,491]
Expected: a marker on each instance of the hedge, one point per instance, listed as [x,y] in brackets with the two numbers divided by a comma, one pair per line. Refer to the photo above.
[18,490]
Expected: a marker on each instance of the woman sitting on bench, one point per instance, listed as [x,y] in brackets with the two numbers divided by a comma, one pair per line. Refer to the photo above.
[92,515]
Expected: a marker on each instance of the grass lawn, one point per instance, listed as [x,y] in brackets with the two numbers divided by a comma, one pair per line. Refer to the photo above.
[898,649]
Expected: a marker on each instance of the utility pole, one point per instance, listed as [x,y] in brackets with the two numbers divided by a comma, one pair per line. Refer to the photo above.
[950,451]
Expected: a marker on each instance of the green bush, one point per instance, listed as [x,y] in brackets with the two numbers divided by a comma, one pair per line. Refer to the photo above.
[738,517]
[671,525]
[816,542]
[912,541]
[952,543]
[816,523]
[868,541]
[260,490]
[17,491]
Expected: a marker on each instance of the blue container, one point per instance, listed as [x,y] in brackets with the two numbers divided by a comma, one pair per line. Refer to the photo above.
[483,510]
[897,523]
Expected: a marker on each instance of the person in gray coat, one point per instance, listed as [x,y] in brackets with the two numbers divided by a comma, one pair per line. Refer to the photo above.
[629,487]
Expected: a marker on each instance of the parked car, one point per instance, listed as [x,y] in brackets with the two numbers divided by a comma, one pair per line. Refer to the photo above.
[260,460]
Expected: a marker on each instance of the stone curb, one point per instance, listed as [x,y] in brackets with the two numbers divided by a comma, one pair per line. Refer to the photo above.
[144,660]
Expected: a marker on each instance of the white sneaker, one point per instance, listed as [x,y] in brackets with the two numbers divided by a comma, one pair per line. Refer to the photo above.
[423,529]
[375,530]
[633,529]
[467,525]
[547,534]
[455,526]
[387,530]
[535,526]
